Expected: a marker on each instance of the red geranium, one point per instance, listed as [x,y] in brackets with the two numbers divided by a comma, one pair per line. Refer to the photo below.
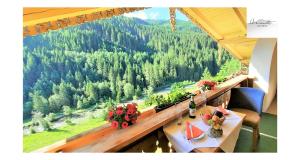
[206,84]
[119,112]
[110,114]
[133,121]
[119,108]
[115,124]
[127,118]
[123,116]
[130,111]
[131,107]
[124,125]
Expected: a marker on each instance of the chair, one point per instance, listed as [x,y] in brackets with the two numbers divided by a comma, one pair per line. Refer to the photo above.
[250,102]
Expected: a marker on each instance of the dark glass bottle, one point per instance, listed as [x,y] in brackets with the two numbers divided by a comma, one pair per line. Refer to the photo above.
[192,108]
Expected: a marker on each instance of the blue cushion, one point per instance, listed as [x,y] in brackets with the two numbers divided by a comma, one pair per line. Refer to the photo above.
[247,98]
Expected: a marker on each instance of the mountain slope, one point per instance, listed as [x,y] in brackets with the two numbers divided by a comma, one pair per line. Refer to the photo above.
[115,58]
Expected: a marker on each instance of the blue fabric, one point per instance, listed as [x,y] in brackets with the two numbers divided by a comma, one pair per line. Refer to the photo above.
[247,98]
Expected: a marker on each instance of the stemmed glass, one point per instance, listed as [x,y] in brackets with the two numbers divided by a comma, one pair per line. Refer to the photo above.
[179,114]
[227,98]
[203,97]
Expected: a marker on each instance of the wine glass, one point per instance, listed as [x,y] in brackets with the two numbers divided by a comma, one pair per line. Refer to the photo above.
[203,98]
[178,113]
[227,98]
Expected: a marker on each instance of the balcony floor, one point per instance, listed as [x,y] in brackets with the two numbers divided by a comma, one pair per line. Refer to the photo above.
[268,136]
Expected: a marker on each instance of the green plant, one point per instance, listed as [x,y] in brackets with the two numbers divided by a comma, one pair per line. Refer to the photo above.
[150,100]
[177,93]
[67,111]
[32,130]
[37,118]
[50,117]
[135,97]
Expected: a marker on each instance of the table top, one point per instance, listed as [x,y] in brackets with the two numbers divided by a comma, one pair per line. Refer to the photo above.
[226,133]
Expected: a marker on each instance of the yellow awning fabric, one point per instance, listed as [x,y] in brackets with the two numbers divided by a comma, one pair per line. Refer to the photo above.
[40,20]
[227,26]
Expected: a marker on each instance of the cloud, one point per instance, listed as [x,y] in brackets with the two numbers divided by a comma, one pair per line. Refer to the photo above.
[154,15]
[138,14]
[143,15]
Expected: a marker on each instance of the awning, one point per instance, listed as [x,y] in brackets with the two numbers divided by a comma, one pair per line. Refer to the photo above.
[227,26]
[40,20]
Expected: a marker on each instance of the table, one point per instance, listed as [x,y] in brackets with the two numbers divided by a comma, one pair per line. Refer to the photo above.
[231,128]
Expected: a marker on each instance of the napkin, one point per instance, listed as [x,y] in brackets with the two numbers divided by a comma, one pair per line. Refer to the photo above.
[224,111]
[192,131]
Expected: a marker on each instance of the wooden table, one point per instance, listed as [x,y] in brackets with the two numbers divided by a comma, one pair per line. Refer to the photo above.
[228,133]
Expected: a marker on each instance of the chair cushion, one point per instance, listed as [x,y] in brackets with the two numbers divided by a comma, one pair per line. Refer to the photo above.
[252,118]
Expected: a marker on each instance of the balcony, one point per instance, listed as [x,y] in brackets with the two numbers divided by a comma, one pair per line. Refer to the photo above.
[148,135]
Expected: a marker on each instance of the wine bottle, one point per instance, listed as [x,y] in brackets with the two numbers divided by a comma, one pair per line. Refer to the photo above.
[192,108]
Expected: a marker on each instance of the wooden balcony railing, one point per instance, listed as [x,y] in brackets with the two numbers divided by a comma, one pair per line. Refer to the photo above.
[107,139]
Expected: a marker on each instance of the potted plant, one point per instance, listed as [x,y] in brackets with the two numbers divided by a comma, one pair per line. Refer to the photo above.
[205,85]
[123,115]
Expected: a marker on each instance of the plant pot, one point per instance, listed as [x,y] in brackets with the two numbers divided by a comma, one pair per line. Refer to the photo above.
[162,107]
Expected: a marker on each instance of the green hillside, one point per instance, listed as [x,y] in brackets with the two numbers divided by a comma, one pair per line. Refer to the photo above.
[118,59]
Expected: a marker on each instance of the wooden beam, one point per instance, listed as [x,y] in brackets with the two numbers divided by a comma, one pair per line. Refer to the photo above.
[234,34]
[232,40]
[240,18]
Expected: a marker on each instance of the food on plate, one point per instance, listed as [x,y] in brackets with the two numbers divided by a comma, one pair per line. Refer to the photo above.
[192,131]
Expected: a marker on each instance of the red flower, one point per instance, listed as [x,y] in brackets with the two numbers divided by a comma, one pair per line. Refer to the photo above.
[206,83]
[213,88]
[110,114]
[131,106]
[124,125]
[114,124]
[130,111]
[119,112]
[127,118]
[133,121]
[119,108]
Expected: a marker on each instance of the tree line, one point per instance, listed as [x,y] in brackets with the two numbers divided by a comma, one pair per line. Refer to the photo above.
[113,59]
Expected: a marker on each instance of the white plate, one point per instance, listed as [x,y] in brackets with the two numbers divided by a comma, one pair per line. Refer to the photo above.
[199,137]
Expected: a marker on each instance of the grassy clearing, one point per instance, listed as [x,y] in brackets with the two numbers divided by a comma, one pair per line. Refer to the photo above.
[39,140]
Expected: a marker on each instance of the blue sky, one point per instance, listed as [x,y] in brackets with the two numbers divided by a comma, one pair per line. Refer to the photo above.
[156,14]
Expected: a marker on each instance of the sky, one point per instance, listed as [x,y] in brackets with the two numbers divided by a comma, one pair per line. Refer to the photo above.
[156,14]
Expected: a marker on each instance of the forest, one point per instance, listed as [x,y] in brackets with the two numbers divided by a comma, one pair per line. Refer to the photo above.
[116,59]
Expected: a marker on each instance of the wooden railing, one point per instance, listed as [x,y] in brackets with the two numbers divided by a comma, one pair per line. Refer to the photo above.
[107,139]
